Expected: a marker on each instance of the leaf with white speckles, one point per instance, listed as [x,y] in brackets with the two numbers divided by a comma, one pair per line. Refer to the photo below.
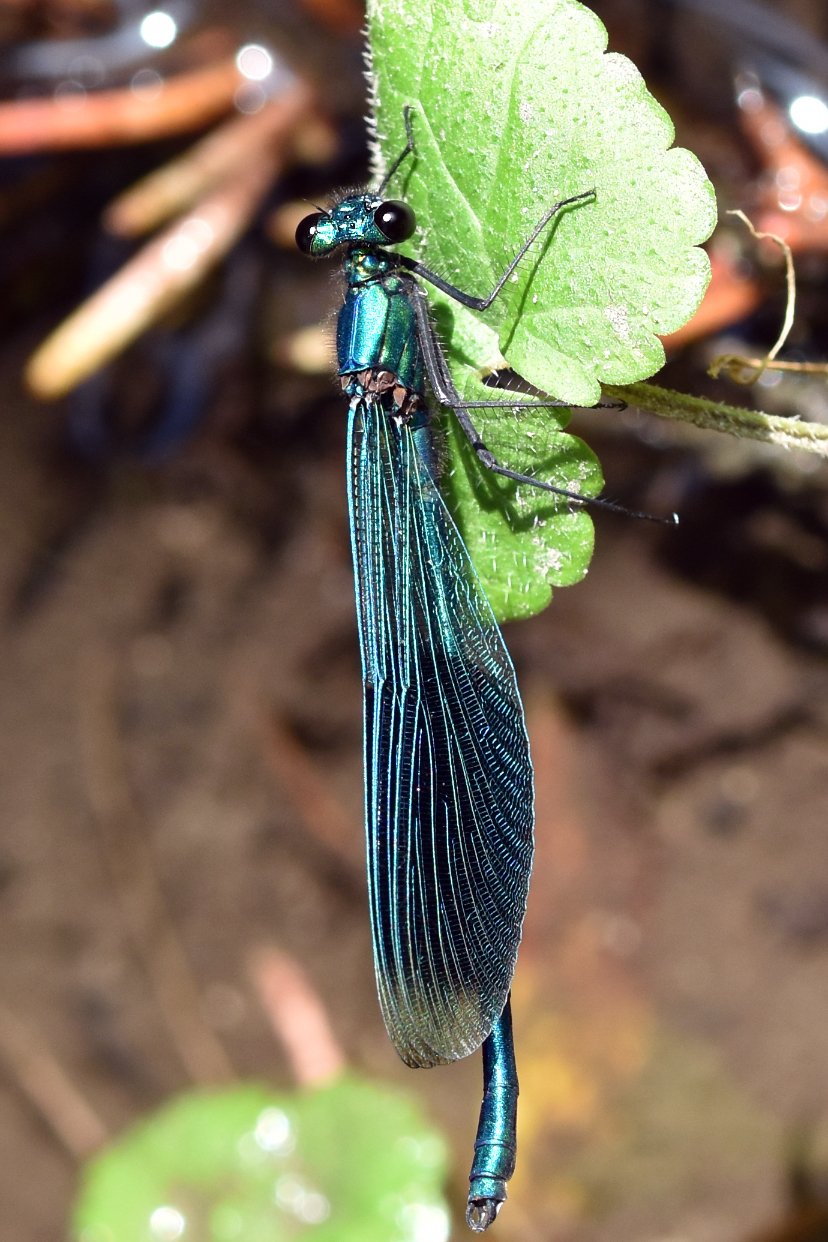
[516,105]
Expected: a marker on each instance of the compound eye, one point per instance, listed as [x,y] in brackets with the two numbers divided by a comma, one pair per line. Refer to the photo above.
[306,231]
[396,221]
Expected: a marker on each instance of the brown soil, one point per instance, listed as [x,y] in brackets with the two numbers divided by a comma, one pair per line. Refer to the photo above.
[672,1018]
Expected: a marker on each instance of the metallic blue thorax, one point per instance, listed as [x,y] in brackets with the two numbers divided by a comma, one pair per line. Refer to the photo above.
[376,328]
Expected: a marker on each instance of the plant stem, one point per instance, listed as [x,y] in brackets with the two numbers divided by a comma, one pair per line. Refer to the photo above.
[716,416]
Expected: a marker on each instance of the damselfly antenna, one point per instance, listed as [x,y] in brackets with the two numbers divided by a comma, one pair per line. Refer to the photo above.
[409,149]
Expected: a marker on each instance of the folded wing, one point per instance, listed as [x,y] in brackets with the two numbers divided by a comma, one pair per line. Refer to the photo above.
[449,800]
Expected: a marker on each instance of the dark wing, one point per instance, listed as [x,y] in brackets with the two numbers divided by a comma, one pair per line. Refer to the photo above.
[448,780]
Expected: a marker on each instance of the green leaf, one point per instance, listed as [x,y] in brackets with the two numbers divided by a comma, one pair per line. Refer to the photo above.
[349,1162]
[521,539]
[515,106]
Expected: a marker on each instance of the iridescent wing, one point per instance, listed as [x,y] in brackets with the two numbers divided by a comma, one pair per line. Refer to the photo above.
[448,780]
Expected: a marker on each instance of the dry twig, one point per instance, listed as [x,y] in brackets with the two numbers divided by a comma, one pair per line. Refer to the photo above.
[46,1085]
[113,118]
[150,284]
[174,187]
[122,836]
[322,813]
[297,1016]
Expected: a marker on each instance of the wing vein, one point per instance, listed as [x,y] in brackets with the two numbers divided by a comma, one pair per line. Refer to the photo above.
[447,772]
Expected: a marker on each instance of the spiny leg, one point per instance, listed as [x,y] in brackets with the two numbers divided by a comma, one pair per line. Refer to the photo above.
[507,380]
[481,304]
[468,299]
[495,1147]
[409,150]
[443,387]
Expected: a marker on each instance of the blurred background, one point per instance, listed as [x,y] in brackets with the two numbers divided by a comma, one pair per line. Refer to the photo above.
[180,699]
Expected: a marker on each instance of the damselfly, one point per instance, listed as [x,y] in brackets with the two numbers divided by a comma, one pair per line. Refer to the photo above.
[448,778]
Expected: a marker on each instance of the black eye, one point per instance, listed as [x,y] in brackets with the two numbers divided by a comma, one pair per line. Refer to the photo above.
[396,221]
[306,231]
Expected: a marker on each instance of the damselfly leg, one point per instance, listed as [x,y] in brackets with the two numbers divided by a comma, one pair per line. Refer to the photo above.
[445,390]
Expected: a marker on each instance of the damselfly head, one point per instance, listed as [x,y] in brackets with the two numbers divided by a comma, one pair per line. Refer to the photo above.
[361,219]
